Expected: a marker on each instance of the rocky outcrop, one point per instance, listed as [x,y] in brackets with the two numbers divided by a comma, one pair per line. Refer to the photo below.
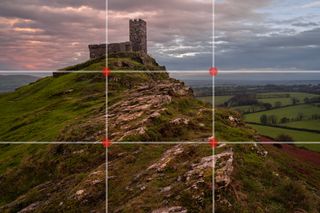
[167,157]
[193,177]
[144,103]
[173,209]
[223,168]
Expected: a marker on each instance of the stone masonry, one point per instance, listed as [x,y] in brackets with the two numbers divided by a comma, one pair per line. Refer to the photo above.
[137,43]
[138,35]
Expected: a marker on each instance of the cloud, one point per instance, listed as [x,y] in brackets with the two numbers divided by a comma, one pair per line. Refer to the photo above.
[48,35]
[263,36]
[179,31]
[311,4]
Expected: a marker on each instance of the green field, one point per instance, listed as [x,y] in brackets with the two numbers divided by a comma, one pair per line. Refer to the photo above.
[207,99]
[301,136]
[272,98]
[289,112]
[218,100]
[308,124]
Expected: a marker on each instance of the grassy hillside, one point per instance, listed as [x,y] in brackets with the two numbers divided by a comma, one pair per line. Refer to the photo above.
[44,178]
[141,178]
[270,179]
[54,178]
[148,178]
[49,109]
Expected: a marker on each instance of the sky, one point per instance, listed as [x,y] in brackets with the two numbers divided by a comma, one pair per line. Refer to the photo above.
[180,32]
[267,35]
[248,35]
[49,34]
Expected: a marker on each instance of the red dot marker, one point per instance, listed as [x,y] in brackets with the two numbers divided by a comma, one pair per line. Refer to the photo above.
[213,142]
[106,143]
[213,71]
[106,71]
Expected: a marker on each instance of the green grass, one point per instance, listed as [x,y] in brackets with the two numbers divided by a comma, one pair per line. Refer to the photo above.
[225,130]
[44,108]
[219,100]
[284,100]
[27,165]
[126,200]
[270,98]
[289,112]
[301,136]
[275,183]
[307,124]
[207,99]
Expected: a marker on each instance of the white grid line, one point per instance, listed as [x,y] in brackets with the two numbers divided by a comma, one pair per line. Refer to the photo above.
[268,71]
[106,112]
[160,71]
[213,106]
[161,142]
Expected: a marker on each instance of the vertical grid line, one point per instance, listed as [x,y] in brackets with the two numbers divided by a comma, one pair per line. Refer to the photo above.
[213,106]
[106,111]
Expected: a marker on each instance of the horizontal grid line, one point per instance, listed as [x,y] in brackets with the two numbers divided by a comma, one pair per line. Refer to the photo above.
[268,71]
[52,71]
[158,142]
[159,71]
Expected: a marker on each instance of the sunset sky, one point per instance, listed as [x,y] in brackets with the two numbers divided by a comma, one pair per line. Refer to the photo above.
[249,34]
[48,35]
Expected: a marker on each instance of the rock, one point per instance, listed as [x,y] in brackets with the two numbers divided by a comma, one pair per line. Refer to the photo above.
[31,208]
[223,168]
[173,209]
[167,157]
[80,192]
[179,121]
[166,189]
[145,103]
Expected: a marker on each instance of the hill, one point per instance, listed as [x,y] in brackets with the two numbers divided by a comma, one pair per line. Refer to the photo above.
[142,106]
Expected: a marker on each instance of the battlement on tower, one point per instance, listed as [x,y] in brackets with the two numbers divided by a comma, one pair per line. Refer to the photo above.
[137,43]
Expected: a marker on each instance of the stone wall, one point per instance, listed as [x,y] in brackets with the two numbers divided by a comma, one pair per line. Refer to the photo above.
[120,47]
[97,50]
[138,35]
[137,43]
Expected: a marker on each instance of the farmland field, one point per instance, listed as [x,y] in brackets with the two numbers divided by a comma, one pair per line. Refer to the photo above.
[289,112]
[283,97]
[272,98]
[207,99]
[218,100]
[301,136]
[308,124]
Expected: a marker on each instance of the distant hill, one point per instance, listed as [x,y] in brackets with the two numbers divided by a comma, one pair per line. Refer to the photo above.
[9,83]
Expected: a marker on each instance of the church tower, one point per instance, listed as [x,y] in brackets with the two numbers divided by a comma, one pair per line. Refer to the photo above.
[138,35]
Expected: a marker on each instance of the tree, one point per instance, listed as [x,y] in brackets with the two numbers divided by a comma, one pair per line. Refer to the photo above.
[300,116]
[273,119]
[267,106]
[277,104]
[264,119]
[284,138]
[284,120]
[294,101]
